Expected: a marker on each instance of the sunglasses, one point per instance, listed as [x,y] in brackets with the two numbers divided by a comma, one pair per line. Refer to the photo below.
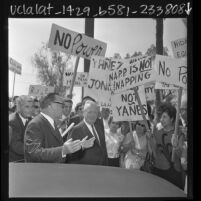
[142,125]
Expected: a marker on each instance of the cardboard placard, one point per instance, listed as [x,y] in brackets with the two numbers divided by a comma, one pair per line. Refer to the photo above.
[125,106]
[172,71]
[80,80]
[131,73]
[98,86]
[179,47]
[40,90]
[15,66]
[71,42]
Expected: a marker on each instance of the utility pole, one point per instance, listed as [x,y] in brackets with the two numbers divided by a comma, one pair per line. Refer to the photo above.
[159,50]
[89,31]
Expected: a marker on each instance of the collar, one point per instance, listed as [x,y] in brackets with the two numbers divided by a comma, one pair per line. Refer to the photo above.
[50,120]
[23,119]
[89,126]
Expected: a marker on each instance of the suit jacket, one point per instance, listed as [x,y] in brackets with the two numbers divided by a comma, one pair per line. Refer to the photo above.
[42,142]
[75,119]
[95,155]
[16,147]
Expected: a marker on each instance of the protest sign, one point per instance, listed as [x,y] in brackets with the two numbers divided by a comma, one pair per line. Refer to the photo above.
[163,85]
[71,42]
[131,74]
[179,47]
[40,90]
[97,85]
[80,80]
[125,106]
[150,91]
[15,66]
[172,71]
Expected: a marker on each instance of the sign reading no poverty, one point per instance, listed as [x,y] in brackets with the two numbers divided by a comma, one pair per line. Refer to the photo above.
[65,40]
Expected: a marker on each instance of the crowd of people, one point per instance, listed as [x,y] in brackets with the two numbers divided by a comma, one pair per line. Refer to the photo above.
[36,129]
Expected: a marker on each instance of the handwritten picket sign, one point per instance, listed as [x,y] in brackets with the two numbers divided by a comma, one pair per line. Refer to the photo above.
[15,66]
[170,70]
[163,85]
[80,80]
[40,90]
[179,47]
[125,106]
[150,91]
[97,85]
[71,42]
[131,74]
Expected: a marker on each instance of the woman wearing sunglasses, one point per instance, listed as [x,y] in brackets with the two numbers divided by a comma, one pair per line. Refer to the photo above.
[135,146]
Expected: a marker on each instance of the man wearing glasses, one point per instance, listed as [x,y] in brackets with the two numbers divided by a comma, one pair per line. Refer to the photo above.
[43,142]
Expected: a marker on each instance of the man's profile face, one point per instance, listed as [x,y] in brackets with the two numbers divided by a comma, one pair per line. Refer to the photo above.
[67,108]
[57,107]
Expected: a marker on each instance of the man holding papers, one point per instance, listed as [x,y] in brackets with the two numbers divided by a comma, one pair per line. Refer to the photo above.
[93,150]
[43,141]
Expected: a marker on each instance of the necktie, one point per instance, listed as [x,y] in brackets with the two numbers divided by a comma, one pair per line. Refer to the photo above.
[26,123]
[95,134]
[56,129]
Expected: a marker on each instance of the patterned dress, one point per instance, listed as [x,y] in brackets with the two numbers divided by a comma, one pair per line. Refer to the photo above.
[136,160]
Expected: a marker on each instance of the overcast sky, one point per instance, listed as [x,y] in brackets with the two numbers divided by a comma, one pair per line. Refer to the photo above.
[121,35]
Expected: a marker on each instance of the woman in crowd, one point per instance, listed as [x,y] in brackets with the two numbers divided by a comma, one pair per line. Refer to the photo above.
[135,146]
[162,148]
[124,130]
[113,140]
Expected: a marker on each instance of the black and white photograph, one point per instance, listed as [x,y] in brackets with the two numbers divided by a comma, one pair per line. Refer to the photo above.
[97,106]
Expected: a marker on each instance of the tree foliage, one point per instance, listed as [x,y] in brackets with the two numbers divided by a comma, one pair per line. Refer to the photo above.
[51,66]
[151,51]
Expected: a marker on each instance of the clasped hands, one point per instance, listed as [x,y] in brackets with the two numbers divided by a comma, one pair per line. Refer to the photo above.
[71,146]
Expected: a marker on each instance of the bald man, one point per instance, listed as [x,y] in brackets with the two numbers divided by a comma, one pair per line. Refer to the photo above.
[17,124]
[93,151]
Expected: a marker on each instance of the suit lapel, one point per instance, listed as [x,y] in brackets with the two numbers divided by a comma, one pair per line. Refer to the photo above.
[20,121]
[54,132]
[99,135]
[86,130]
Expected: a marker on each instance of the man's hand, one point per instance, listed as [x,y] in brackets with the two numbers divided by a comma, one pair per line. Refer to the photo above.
[87,143]
[71,146]
[174,140]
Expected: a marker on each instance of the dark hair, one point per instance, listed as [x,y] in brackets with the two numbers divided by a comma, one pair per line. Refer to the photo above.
[77,106]
[149,111]
[148,122]
[110,120]
[47,100]
[35,100]
[170,110]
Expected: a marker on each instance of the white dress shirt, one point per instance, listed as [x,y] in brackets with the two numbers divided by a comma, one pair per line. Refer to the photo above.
[90,128]
[50,120]
[23,119]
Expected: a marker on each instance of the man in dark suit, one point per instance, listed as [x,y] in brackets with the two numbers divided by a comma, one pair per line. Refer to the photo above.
[43,141]
[17,124]
[95,153]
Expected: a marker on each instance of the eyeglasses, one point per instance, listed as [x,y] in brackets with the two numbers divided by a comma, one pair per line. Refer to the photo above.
[59,103]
